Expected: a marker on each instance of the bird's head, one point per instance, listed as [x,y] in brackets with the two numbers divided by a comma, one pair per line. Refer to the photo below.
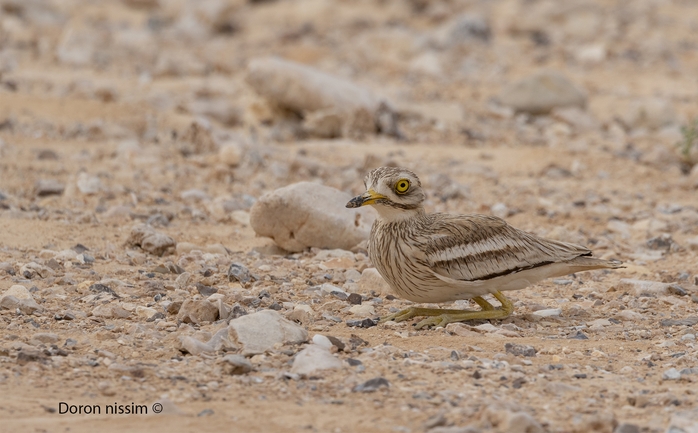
[395,193]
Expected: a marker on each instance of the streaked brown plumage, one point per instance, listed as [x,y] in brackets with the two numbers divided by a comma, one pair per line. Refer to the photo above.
[441,257]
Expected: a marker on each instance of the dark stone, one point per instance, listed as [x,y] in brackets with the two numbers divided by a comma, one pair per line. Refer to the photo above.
[354,299]
[156,316]
[677,290]
[627,428]
[520,349]
[205,291]
[340,295]
[80,248]
[101,288]
[477,374]
[518,382]
[580,375]
[238,272]
[354,362]
[174,307]
[372,385]
[362,323]
[336,342]
[688,321]
[578,336]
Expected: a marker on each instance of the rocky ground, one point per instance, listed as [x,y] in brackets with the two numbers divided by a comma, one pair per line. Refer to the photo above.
[138,139]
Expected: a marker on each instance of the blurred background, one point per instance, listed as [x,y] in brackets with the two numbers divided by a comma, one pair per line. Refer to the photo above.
[543,107]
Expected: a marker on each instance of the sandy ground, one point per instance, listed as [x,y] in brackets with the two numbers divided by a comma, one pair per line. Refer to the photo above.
[98,96]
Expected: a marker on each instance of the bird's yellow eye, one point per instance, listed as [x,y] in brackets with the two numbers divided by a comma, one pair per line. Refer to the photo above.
[402,186]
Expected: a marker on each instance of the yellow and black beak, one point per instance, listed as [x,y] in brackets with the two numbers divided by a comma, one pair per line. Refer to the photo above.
[369,197]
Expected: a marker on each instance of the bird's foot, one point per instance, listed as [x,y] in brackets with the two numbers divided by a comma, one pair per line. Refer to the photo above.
[442,317]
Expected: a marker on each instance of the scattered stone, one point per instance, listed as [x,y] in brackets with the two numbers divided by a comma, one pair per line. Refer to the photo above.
[182,281]
[604,422]
[354,299]
[197,312]
[46,187]
[45,337]
[88,185]
[236,365]
[372,385]
[195,347]
[644,288]
[238,272]
[362,323]
[294,218]
[542,92]
[688,321]
[312,359]
[322,98]
[520,349]
[371,281]
[551,312]
[151,240]
[365,310]
[511,419]
[262,331]
[32,270]
[684,422]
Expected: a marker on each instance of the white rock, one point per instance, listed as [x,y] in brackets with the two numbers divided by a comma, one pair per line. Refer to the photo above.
[542,92]
[230,154]
[306,214]
[88,185]
[19,292]
[145,312]
[371,281]
[598,323]
[363,310]
[684,422]
[551,312]
[312,359]
[688,337]
[631,315]
[641,287]
[259,332]
[194,346]
[671,374]
[322,341]
[305,89]
[650,113]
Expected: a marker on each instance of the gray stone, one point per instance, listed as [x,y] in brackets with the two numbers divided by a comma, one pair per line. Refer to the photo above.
[541,92]
[238,272]
[262,331]
[671,374]
[372,385]
[684,422]
[306,214]
[194,346]
[236,364]
[314,358]
[520,349]
[45,337]
[198,311]
[627,428]
[150,240]
[32,270]
[45,187]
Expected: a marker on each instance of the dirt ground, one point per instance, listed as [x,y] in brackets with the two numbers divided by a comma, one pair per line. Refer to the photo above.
[114,114]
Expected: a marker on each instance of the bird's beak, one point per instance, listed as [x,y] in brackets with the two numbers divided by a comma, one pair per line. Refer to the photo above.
[369,197]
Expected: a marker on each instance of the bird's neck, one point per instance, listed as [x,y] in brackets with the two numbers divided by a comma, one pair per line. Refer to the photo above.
[388,214]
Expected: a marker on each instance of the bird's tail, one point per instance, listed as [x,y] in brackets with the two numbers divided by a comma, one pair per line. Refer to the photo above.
[586,263]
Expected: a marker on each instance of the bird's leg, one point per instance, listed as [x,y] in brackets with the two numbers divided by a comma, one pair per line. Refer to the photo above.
[411,312]
[488,312]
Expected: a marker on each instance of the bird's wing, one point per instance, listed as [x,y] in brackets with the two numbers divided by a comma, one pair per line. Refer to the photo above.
[479,247]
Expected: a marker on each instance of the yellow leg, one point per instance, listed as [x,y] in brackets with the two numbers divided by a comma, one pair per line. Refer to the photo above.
[442,317]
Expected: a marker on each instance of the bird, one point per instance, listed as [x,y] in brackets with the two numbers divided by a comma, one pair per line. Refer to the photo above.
[438,257]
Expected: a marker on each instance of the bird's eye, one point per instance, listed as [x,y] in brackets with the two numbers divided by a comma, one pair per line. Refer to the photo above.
[402,186]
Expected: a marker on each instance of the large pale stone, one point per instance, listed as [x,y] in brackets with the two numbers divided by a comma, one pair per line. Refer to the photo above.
[261,331]
[307,214]
[314,358]
[541,92]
